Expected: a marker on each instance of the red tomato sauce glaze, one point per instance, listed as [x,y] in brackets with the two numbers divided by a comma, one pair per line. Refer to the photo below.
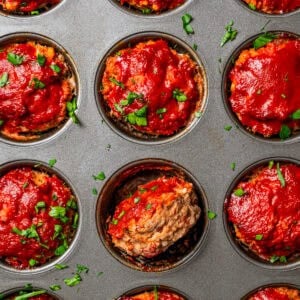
[154,5]
[21,6]
[38,217]
[276,293]
[266,214]
[152,87]
[274,6]
[33,97]
[152,296]
[265,87]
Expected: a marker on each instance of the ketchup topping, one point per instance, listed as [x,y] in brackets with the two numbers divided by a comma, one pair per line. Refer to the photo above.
[273,293]
[28,228]
[265,88]
[154,72]
[26,6]
[275,6]
[34,97]
[156,5]
[152,296]
[137,205]
[267,214]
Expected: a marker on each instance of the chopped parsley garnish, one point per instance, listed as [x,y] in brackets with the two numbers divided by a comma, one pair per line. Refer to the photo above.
[37,84]
[227,127]
[76,279]
[239,192]
[100,176]
[72,204]
[15,59]
[60,250]
[116,82]
[195,47]
[138,117]
[55,68]
[32,262]
[161,111]
[54,197]
[155,292]
[283,259]
[30,295]
[198,114]
[34,12]
[94,191]
[52,162]
[58,212]
[280,175]
[71,108]
[1,122]
[130,98]
[146,11]
[252,6]
[271,164]
[75,221]
[39,205]
[136,200]
[263,40]
[259,237]
[55,287]
[4,79]
[296,115]
[29,232]
[232,166]
[211,215]
[114,222]
[285,132]
[186,20]
[148,206]
[25,185]
[57,230]
[229,35]
[41,59]
[82,268]
[61,266]
[273,259]
[179,96]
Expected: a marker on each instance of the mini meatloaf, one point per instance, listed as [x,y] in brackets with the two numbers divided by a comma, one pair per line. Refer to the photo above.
[274,6]
[264,211]
[155,295]
[27,7]
[38,217]
[35,86]
[265,86]
[158,214]
[152,88]
[148,6]
[276,293]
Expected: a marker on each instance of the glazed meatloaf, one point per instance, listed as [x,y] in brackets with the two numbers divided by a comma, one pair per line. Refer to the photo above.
[265,86]
[274,6]
[155,295]
[276,293]
[38,217]
[146,6]
[35,86]
[264,211]
[26,7]
[151,88]
[158,214]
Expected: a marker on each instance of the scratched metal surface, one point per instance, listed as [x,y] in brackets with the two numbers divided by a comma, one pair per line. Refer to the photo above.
[87,29]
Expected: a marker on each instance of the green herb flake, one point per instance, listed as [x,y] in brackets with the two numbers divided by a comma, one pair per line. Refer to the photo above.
[146,11]
[54,197]
[155,293]
[232,166]
[82,268]
[116,82]
[285,132]
[283,259]
[186,20]
[25,185]
[161,111]
[195,47]
[271,164]
[52,162]
[75,280]
[280,175]
[34,12]
[39,205]
[138,117]
[198,114]
[30,295]
[101,176]
[57,212]
[55,68]
[229,35]
[61,266]
[55,287]
[37,84]
[227,127]
[94,191]
[148,206]
[211,215]
[1,122]
[179,95]
[41,59]
[99,274]
[239,192]
[263,40]
[32,262]
[296,115]
[252,6]
[60,250]
[15,59]
[71,108]
[273,259]
[75,221]
[4,79]
[114,222]
[136,200]
[57,230]
[259,237]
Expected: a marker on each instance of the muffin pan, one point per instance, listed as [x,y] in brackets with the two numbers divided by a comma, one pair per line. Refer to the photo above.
[88,30]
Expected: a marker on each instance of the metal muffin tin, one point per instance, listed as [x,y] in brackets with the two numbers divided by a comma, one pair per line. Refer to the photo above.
[88,29]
